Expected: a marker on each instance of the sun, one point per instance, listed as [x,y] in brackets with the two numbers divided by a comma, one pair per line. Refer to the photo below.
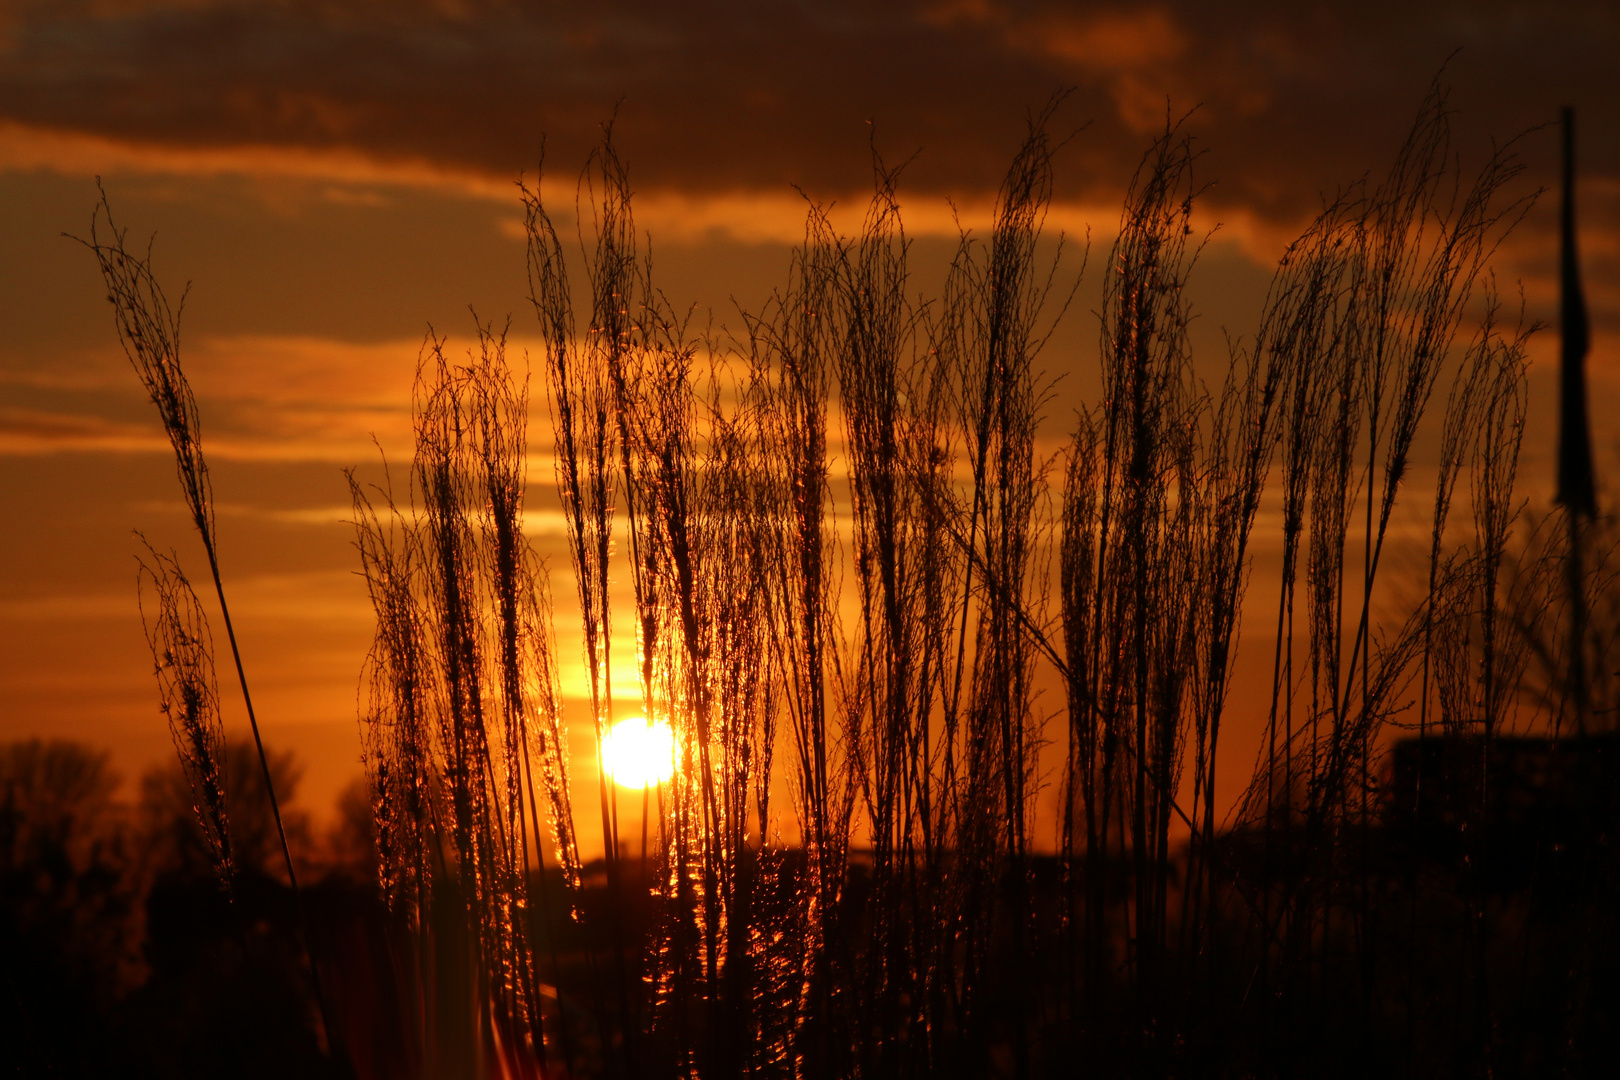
[639,754]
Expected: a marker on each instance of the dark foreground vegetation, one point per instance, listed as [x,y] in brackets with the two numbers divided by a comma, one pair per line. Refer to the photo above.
[948,704]
[123,954]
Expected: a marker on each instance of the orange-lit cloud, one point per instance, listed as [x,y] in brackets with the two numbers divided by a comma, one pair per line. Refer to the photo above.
[24,147]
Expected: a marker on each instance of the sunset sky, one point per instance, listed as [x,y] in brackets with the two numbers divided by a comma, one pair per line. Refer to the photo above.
[334,178]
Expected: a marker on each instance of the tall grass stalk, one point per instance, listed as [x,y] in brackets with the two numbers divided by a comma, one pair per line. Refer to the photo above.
[183,656]
[148,328]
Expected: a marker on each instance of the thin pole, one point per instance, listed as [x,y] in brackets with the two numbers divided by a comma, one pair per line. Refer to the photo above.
[1575,481]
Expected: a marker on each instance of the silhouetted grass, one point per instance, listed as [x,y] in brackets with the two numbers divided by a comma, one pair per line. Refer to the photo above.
[183,656]
[949,708]
[148,328]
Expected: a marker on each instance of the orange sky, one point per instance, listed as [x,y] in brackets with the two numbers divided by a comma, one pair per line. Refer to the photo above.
[334,178]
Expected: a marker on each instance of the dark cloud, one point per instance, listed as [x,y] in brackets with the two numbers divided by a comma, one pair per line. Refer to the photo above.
[1292,97]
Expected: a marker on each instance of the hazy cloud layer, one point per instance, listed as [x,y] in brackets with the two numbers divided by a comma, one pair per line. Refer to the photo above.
[283,399]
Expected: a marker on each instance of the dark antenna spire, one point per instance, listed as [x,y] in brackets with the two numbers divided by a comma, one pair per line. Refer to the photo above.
[1575,486]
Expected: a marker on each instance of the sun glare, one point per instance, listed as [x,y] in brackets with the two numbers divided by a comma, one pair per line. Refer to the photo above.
[639,754]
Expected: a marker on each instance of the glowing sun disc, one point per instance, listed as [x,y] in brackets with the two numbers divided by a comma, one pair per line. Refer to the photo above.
[637,754]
